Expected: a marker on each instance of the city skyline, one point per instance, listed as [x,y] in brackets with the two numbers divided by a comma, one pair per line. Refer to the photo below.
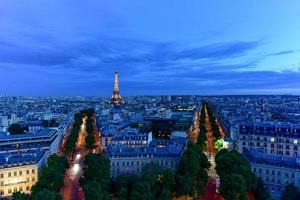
[158,48]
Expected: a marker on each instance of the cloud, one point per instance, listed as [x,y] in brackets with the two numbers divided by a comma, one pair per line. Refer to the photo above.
[284,52]
[145,67]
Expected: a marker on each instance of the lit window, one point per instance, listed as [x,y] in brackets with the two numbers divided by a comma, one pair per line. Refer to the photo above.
[272,139]
[295,141]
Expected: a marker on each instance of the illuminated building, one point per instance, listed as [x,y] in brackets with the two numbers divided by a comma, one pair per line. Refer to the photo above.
[116,97]
[281,139]
[18,173]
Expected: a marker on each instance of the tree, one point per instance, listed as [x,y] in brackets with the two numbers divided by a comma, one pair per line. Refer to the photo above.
[15,129]
[165,195]
[52,176]
[44,194]
[184,186]
[228,162]
[141,190]
[19,196]
[291,192]
[233,187]
[192,167]
[122,194]
[90,141]
[94,191]
[260,192]
[168,180]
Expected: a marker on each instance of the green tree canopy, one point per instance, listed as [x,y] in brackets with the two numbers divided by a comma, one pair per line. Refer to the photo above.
[19,196]
[233,187]
[291,192]
[15,129]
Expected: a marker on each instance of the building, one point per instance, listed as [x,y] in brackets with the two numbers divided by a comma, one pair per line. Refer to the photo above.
[131,138]
[18,173]
[116,97]
[272,138]
[130,161]
[162,128]
[106,135]
[13,119]
[44,139]
[275,171]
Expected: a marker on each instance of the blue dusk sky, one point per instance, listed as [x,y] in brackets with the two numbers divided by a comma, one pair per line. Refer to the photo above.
[67,47]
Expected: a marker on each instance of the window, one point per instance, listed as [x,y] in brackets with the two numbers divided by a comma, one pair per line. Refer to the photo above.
[27,187]
[20,189]
[295,148]
[295,141]
[15,173]
[27,171]
[9,174]
[33,179]
[1,183]
[9,191]
[20,173]
[1,176]
[33,171]
[278,173]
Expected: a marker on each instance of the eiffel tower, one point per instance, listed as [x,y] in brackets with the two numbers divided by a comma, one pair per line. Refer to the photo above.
[116,97]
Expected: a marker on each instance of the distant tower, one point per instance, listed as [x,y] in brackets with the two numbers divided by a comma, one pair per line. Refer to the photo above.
[116,97]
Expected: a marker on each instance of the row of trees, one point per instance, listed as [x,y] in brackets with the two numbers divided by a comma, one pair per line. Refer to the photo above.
[156,183]
[90,138]
[202,134]
[191,175]
[153,183]
[51,179]
[96,180]
[213,122]
[72,138]
[236,177]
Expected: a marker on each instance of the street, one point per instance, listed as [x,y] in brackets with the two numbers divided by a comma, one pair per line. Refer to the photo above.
[71,189]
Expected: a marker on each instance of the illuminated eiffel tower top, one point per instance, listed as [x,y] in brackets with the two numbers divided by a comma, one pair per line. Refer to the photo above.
[116,97]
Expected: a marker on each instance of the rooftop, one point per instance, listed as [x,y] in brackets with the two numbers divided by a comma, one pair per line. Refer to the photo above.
[256,156]
[30,157]
[40,133]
